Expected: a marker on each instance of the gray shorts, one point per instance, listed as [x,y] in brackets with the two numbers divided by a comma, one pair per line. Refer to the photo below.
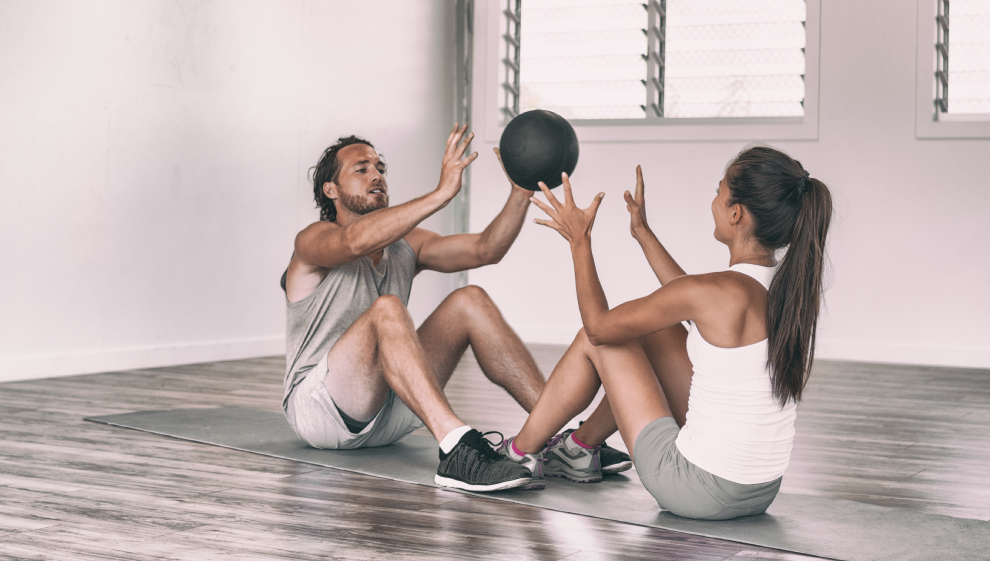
[687,490]
[312,414]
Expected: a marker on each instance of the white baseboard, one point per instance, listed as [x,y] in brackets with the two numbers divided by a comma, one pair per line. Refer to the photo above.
[130,358]
[964,357]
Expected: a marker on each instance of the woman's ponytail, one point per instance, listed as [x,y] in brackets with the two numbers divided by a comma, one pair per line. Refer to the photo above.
[795,295]
[793,210]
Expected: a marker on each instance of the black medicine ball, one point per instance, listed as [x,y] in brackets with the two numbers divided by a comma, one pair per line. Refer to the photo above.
[537,146]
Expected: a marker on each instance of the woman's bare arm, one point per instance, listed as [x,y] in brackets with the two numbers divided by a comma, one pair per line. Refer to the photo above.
[663,265]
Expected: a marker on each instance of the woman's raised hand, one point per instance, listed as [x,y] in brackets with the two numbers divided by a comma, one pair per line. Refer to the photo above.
[636,205]
[570,221]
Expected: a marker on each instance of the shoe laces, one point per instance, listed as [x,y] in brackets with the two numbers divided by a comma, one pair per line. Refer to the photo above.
[501,438]
[486,447]
[557,438]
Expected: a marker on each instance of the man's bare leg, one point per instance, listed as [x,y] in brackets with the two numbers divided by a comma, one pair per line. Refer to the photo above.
[381,350]
[469,317]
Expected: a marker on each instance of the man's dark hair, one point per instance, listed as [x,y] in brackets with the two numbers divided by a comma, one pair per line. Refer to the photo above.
[328,170]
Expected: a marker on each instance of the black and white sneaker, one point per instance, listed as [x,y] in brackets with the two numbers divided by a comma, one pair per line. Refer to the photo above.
[473,465]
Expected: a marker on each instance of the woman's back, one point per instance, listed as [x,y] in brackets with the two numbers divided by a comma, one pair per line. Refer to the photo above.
[735,427]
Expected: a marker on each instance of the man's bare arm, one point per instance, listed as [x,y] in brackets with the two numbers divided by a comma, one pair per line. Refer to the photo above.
[328,245]
[460,252]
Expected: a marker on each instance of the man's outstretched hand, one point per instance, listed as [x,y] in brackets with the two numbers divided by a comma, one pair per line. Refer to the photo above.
[516,190]
[454,161]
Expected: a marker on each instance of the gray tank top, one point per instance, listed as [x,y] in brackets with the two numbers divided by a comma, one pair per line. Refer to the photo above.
[315,323]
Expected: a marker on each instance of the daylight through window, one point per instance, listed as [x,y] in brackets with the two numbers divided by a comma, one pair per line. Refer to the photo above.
[626,59]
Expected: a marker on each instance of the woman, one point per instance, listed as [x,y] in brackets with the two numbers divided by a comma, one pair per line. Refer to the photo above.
[707,410]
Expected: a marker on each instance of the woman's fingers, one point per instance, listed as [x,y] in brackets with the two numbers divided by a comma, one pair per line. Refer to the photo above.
[550,198]
[639,184]
[593,207]
[548,223]
[568,195]
[544,207]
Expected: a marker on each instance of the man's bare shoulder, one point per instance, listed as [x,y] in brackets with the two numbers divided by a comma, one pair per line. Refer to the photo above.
[418,237]
[317,228]
[313,234]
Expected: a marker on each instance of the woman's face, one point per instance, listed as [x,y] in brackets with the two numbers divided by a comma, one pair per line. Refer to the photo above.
[721,212]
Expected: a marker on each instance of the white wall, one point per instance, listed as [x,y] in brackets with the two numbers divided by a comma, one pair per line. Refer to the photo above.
[153,161]
[910,247]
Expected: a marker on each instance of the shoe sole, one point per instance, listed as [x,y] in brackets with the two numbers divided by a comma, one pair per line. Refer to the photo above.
[455,484]
[561,469]
[592,479]
[617,468]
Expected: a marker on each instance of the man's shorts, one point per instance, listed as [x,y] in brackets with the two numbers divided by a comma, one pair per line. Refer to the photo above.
[313,415]
[687,490]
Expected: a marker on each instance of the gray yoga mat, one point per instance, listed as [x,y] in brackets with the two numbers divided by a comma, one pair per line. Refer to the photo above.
[820,526]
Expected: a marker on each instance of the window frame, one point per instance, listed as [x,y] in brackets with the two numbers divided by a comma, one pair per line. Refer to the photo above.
[928,123]
[489,49]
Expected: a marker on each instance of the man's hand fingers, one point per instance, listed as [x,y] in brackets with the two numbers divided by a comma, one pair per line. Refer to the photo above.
[467,160]
[462,148]
[455,136]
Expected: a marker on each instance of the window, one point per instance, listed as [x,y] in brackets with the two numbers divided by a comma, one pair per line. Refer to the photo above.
[953,98]
[969,45]
[624,59]
[642,70]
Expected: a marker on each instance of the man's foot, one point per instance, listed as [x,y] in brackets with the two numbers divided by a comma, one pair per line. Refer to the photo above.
[568,459]
[532,462]
[612,460]
[473,465]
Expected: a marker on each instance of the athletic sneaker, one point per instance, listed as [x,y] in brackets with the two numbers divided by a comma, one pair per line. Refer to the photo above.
[532,462]
[572,462]
[473,465]
[612,460]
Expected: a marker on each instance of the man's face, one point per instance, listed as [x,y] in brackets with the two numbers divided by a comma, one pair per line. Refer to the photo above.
[361,186]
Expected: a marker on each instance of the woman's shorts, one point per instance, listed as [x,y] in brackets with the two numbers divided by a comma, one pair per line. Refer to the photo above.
[687,490]
[312,413]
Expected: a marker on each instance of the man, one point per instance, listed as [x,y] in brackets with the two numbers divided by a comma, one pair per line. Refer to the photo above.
[359,373]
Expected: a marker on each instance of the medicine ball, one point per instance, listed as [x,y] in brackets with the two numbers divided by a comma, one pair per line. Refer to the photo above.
[537,146]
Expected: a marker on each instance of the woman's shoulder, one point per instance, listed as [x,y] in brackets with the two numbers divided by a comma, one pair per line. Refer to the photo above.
[722,293]
[718,282]
[729,308]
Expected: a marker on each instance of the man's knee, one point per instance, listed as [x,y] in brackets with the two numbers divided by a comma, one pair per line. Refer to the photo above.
[389,307]
[471,297]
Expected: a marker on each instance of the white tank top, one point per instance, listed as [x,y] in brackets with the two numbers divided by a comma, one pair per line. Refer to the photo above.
[735,429]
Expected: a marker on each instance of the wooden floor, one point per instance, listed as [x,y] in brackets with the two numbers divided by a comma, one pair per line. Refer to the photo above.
[901,436]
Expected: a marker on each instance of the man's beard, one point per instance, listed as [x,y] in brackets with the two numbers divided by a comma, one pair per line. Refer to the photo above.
[359,205]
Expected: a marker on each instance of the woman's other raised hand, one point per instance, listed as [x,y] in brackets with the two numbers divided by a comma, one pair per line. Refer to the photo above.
[636,205]
[573,223]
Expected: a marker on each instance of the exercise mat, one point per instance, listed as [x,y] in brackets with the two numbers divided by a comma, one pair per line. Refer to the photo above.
[812,525]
